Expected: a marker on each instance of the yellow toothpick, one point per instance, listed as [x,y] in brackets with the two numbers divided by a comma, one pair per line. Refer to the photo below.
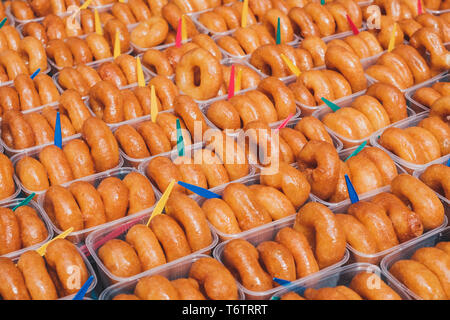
[237,83]
[117,51]
[123,1]
[98,25]
[392,39]
[244,14]
[183,28]
[162,202]
[43,249]
[140,73]
[85,5]
[153,105]
[291,65]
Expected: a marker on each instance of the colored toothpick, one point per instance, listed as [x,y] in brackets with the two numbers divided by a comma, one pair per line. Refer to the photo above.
[330,104]
[58,136]
[85,5]
[35,73]
[117,50]
[123,1]
[140,73]
[3,22]
[419,7]
[200,191]
[98,25]
[231,84]
[25,201]
[322,2]
[162,202]
[183,28]
[179,31]
[237,84]
[291,65]
[153,105]
[357,150]
[352,25]
[284,123]
[286,283]
[244,14]
[278,41]
[448,162]
[82,292]
[63,235]
[180,142]
[392,39]
[351,190]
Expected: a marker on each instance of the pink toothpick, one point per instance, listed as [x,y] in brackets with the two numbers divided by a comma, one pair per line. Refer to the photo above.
[352,25]
[178,38]
[419,7]
[231,86]
[285,122]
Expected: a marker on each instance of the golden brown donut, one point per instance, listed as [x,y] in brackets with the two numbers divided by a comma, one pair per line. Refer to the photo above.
[365,284]
[107,102]
[364,174]
[418,66]
[385,165]
[157,27]
[115,197]
[10,232]
[391,98]
[373,110]
[427,142]
[120,258]
[99,46]
[223,114]
[70,78]
[356,234]
[275,202]
[62,209]
[162,171]
[156,288]
[28,95]
[31,173]
[221,216]
[12,284]
[9,99]
[436,177]
[110,71]
[56,165]
[402,144]
[32,229]
[277,260]
[440,131]
[188,289]
[90,203]
[79,158]
[131,142]
[157,62]
[16,132]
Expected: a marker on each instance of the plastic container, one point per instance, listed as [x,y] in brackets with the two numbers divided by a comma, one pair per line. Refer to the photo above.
[173,272]
[408,166]
[417,106]
[35,154]
[349,143]
[17,188]
[341,277]
[407,251]
[78,237]
[10,83]
[41,214]
[118,231]
[18,21]
[268,233]
[418,173]
[437,12]
[202,29]
[376,258]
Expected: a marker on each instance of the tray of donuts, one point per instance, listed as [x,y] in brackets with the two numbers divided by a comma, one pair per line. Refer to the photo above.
[127,250]
[282,250]
[23,229]
[420,268]
[436,177]
[359,116]
[434,91]
[437,7]
[357,281]
[10,186]
[59,274]
[416,142]
[96,151]
[198,278]
[94,202]
[4,13]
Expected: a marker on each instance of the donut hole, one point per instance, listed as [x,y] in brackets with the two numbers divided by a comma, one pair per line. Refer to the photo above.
[197,76]
[266,69]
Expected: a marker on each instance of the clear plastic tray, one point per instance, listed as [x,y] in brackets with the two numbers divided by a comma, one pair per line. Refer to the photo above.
[408,166]
[405,252]
[97,238]
[18,21]
[41,214]
[11,82]
[268,233]
[418,173]
[78,237]
[437,12]
[35,154]
[376,258]
[202,29]
[415,105]
[341,277]
[173,272]
[349,143]
[17,188]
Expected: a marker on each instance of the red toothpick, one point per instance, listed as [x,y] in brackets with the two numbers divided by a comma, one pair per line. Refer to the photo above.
[285,122]
[231,85]
[178,38]
[352,25]
[419,7]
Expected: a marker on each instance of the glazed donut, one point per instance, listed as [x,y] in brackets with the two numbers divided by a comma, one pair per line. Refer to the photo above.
[55,27]
[128,66]
[270,22]
[429,39]
[144,241]
[16,129]
[168,123]
[221,216]
[12,283]
[212,167]
[247,43]
[427,142]
[80,50]
[230,15]
[157,27]
[364,174]
[373,110]
[385,165]
[22,11]
[277,260]
[79,158]
[28,95]
[9,100]
[107,102]
[210,74]
[325,294]
[46,89]
[32,228]
[356,234]
[423,200]
[320,163]
[60,53]
[340,16]
[123,13]
[120,258]
[35,30]
[10,232]
[139,9]
[317,82]
[37,280]
[157,62]
[440,131]
[441,108]
[275,202]
[205,42]
[63,209]
[282,98]
[402,144]
[341,87]
[353,10]
[31,173]
[341,192]
[224,115]
[436,177]
[156,288]
[321,228]
[415,62]
[356,127]
[43,133]
[303,22]
[89,75]
[99,46]
[298,246]
[191,173]
[316,47]
[387,26]
[161,170]
[386,75]
[115,197]
[188,110]
[171,236]
[172,14]
[361,284]
[188,289]
[110,71]
[70,78]
[246,108]
[13,64]
[90,203]
[391,98]
[322,18]
[72,104]
[144,99]
[398,64]
[133,108]
[295,139]
[56,164]
[131,142]
[103,145]
[154,137]
[313,129]
[114,26]
[12,37]
[371,42]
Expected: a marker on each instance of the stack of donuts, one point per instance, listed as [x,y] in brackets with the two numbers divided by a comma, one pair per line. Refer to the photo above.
[171,236]
[28,10]
[437,178]
[436,98]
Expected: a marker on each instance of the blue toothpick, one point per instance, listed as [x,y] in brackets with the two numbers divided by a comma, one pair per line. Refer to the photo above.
[357,150]
[80,294]
[288,284]
[180,142]
[322,2]
[200,191]
[351,190]
[35,73]
[58,136]
[448,162]
[330,104]
[25,201]
[3,22]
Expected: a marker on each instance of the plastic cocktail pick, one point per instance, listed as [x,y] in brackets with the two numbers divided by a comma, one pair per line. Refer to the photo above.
[98,25]
[330,104]
[357,150]
[200,191]
[286,283]
[58,136]
[244,14]
[35,73]
[352,25]
[448,162]
[123,1]
[178,36]
[25,201]
[237,84]
[85,5]
[162,202]
[180,142]
[284,123]
[183,28]
[63,235]
[278,41]
[140,73]
[392,39]
[351,190]
[231,84]
[322,2]
[117,50]
[153,105]
[291,65]
[82,292]
[3,22]
[419,7]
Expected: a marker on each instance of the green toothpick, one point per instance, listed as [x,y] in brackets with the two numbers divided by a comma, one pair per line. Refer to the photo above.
[357,150]
[25,202]
[180,142]
[330,104]
[278,31]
